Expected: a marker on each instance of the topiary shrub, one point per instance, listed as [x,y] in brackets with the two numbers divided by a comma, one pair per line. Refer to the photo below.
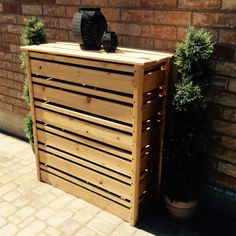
[185,150]
[34,32]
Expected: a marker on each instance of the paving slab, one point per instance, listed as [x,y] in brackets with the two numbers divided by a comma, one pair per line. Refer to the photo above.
[29,207]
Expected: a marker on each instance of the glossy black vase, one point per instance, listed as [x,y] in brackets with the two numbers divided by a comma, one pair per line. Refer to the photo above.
[109,41]
[88,26]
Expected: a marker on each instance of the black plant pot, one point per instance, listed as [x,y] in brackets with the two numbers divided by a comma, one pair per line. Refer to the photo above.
[109,41]
[88,26]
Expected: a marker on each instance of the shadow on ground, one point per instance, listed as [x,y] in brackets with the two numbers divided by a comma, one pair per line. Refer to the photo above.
[206,223]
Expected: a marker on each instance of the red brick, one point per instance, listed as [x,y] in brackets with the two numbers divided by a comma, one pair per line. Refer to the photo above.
[3,73]
[124,3]
[65,23]
[224,127]
[154,4]
[229,4]
[16,67]
[232,85]
[145,16]
[226,68]
[20,19]
[136,42]
[10,38]
[126,29]
[12,8]
[215,111]
[224,52]
[32,9]
[205,19]
[5,106]
[223,180]
[4,46]
[71,10]
[15,29]
[18,85]
[111,14]
[58,34]
[229,142]
[15,48]
[172,18]
[12,57]
[15,76]
[5,65]
[50,22]
[7,18]
[227,37]
[1,55]
[230,114]
[38,1]
[54,10]
[194,4]
[159,32]
[223,154]
[95,3]
[219,83]
[1,7]
[20,111]
[225,98]
[68,2]
[165,45]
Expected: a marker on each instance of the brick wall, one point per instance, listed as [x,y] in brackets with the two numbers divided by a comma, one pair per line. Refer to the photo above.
[152,24]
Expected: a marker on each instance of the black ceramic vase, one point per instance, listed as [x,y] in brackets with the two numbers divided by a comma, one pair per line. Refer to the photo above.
[109,41]
[88,26]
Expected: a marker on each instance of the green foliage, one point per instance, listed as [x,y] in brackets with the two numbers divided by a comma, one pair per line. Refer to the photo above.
[185,151]
[25,93]
[34,32]
[28,127]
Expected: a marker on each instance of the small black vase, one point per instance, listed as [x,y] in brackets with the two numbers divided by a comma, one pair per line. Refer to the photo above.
[109,41]
[88,26]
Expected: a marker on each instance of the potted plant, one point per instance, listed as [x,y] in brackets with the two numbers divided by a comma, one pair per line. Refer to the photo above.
[185,149]
[34,32]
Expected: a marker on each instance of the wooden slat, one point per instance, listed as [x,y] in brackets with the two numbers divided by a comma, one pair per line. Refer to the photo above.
[84,62]
[89,196]
[150,109]
[88,153]
[85,103]
[101,79]
[137,141]
[90,130]
[80,161]
[86,174]
[103,147]
[153,80]
[83,116]
[32,110]
[80,89]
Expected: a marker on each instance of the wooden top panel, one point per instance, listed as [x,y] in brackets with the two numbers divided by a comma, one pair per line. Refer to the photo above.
[122,55]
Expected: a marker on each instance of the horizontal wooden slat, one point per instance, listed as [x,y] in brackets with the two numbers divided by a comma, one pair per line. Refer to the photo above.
[83,116]
[85,103]
[80,89]
[88,153]
[90,130]
[89,142]
[153,80]
[88,164]
[84,62]
[87,195]
[101,79]
[86,174]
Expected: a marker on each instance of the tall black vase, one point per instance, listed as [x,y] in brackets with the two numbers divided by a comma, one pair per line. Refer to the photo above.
[88,26]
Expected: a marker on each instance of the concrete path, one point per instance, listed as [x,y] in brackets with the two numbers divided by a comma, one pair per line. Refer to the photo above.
[29,207]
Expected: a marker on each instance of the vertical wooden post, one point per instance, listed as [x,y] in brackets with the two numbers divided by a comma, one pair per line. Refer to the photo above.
[137,140]
[29,79]
[162,128]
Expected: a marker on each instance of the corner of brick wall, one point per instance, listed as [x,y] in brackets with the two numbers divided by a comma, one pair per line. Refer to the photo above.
[156,25]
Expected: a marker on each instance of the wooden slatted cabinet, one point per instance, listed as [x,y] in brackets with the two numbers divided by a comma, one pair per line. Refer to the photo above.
[98,122]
